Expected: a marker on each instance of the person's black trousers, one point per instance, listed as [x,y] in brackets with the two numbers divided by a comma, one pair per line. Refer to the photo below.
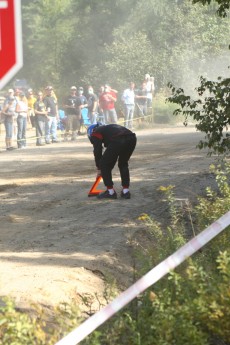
[120,149]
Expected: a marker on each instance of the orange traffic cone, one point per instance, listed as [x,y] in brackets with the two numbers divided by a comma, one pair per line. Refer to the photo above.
[94,191]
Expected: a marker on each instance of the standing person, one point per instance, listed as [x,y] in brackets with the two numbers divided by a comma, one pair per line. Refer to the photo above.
[50,102]
[41,120]
[120,143]
[92,105]
[31,100]
[9,112]
[17,93]
[141,100]
[11,93]
[101,90]
[22,120]
[72,123]
[150,89]
[107,103]
[100,110]
[128,97]
[80,104]
[9,96]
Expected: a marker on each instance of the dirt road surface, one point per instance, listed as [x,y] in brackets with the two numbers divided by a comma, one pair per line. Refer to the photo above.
[55,241]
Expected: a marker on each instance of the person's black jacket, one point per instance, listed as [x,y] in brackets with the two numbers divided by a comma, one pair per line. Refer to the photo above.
[105,135]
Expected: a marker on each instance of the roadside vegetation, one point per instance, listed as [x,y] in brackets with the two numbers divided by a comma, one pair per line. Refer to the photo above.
[95,42]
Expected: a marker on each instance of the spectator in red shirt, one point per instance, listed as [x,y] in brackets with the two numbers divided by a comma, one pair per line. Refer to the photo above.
[106,102]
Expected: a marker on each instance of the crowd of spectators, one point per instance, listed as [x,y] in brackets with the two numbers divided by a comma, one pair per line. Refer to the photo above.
[44,112]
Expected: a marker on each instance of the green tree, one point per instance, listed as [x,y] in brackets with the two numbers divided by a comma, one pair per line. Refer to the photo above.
[128,60]
[223,5]
[211,110]
[47,29]
[183,37]
[88,41]
[95,26]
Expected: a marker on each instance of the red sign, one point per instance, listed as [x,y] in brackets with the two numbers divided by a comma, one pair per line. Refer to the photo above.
[10,40]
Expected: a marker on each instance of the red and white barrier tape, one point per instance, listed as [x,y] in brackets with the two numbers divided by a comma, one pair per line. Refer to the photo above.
[146,281]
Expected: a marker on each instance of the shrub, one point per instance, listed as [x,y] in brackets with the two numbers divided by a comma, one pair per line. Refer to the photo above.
[192,305]
[36,326]
[163,111]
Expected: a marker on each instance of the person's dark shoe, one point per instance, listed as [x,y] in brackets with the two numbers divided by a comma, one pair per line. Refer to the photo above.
[48,142]
[106,195]
[125,195]
[11,148]
[55,141]
[40,144]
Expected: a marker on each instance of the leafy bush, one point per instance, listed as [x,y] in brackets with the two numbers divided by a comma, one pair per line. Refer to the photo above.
[192,305]
[190,308]
[37,326]
[20,328]
[163,111]
[211,110]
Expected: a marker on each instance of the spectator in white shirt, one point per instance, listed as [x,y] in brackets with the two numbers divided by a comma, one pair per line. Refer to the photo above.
[150,89]
[22,119]
[128,97]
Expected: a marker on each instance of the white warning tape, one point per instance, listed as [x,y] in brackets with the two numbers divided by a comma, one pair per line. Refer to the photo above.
[146,281]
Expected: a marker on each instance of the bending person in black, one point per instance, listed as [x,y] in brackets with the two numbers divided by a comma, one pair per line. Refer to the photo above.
[120,143]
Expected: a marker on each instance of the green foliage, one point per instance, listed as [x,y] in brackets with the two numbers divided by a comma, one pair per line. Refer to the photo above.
[19,328]
[37,326]
[183,38]
[192,305]
[223,5]
[69,42]
[124,58]
[211,111]
[216,203]
[213,207]
[163,111]
[47,29]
